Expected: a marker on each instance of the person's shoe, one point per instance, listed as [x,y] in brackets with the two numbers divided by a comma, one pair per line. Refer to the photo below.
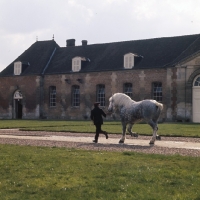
[94,141]
[106,134]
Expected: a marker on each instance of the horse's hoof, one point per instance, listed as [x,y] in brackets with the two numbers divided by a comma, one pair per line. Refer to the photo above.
[158,137]
[134,134]
[121,141]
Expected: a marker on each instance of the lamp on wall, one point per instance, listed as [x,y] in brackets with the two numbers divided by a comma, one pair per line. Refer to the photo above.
[68,81]
[80,80]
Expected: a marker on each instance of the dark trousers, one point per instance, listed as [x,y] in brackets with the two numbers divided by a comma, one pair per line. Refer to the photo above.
[98,130]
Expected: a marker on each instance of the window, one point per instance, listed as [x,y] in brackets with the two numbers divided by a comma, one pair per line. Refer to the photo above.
[128,89]
[17,68]
[76,64]
[101,94]
[75,96]
[129,60]
[157,91]
[197,81]
[52,96]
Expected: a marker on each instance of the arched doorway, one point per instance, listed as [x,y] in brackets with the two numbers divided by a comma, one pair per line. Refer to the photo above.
[17,101]
[196,99]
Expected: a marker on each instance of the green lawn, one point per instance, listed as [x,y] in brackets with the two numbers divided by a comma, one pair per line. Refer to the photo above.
[29,172]
[165,129]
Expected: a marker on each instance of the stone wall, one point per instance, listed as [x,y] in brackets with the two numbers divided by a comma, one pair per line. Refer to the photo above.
[186,73]
[30,89]
[176,82]
[142,89]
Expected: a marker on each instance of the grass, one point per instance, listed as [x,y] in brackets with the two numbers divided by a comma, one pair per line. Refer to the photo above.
[58,173]
[165,129]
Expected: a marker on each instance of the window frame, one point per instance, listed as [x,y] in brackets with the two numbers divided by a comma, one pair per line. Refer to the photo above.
[126,86]
[157,91]
[100,94]
[196,80]
[75,96]
[52,96]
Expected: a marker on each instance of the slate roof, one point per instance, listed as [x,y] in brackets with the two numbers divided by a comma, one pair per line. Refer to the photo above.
[154,53]
[37,55]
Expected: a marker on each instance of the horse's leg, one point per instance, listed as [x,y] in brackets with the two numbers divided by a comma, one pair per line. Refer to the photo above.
[155,128]
[123,133]
[133,134]
[157,136]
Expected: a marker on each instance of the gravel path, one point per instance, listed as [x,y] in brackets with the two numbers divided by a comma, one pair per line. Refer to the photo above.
[99,147]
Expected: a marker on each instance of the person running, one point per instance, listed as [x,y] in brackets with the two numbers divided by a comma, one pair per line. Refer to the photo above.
[96,117]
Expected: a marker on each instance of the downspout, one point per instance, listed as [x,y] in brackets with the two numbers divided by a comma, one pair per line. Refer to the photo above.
[48,62]
[42,86]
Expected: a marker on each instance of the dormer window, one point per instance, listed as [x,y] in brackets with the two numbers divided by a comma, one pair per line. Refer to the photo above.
[129,61]
[17,68]
[76,64]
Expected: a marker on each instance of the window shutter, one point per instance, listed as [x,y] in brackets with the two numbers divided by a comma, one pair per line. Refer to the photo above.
[17,68]
[76,64]
[126,62]
[130,61]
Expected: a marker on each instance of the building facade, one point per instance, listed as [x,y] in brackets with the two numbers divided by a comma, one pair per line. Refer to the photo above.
[52,82]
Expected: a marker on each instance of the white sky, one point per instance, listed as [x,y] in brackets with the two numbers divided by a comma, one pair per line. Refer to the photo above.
[98,21]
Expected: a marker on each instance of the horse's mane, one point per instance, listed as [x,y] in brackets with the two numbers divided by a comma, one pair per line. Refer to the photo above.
[122,99]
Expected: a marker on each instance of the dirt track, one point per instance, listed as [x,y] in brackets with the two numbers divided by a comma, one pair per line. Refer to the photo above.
[100,146]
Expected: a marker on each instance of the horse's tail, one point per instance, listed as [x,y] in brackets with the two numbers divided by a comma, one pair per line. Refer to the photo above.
[160,105]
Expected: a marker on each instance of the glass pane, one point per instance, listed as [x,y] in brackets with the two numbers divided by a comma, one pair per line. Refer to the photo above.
[197,82]
[101,94]
[157,92]
[128,89]
[52,96]
[75,96]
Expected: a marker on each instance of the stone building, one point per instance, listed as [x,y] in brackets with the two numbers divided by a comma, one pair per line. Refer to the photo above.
[53,82]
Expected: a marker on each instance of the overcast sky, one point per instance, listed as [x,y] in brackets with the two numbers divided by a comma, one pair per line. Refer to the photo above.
[98,21]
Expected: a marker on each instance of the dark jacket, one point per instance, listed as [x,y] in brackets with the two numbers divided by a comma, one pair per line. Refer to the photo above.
[96,115]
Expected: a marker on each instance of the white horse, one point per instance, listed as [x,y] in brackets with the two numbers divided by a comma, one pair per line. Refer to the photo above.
[132,112]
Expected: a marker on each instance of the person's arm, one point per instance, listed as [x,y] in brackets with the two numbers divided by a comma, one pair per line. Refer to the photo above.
[103,113]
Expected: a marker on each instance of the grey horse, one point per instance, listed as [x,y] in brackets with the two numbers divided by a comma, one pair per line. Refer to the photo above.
[132,112]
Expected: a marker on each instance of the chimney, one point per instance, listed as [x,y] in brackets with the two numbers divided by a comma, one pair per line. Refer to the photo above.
[84,42]
[70,42]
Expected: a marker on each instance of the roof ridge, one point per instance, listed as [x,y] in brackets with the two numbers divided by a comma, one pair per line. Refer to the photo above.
[136,40]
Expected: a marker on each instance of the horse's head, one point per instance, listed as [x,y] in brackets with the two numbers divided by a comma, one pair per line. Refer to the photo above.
[117,101]
[111,106]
